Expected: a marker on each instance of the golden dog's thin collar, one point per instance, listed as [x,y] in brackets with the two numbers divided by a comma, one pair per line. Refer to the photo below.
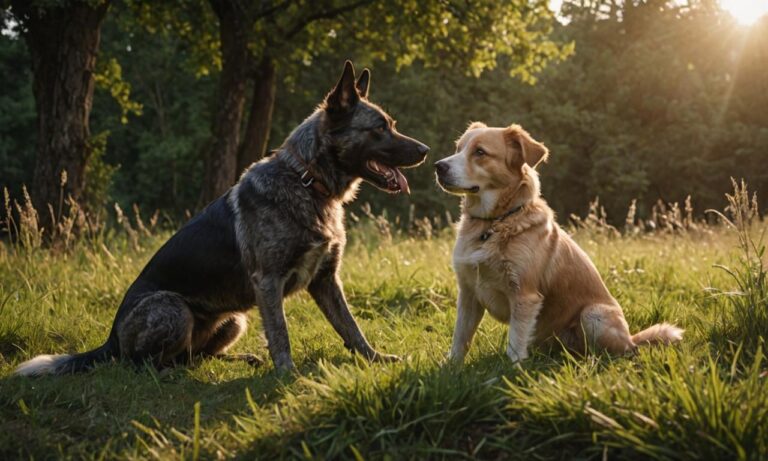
[487,234]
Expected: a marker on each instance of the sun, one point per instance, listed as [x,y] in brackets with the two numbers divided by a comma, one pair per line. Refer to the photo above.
[746,12]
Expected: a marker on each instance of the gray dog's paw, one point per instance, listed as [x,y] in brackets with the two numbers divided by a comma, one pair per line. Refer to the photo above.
[250,359]
[386,358]
[286,368]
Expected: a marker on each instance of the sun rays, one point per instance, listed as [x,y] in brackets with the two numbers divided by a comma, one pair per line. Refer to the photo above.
[745,12]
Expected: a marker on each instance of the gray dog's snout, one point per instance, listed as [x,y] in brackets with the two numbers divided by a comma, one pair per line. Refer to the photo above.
[441,167]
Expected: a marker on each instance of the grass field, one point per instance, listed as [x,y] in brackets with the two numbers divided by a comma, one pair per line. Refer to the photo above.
[704,399]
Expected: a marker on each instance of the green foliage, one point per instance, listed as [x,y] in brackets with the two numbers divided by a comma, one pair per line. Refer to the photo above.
[656,100]
[639,111]
[109,76]
[17,116]
[160,151]
[747,318]
[469,36]
[185,23]
[98,177]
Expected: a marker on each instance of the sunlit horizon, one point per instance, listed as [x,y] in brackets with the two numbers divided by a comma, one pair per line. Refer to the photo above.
[745,12]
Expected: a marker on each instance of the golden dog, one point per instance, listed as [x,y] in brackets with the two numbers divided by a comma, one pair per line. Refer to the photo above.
[513,260]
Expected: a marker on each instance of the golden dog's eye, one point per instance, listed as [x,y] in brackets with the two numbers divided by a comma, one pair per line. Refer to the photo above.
[480,152]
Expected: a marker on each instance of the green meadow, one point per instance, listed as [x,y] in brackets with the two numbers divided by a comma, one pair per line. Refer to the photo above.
[706,398]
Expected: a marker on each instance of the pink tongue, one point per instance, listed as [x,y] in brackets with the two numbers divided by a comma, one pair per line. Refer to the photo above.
[401,181]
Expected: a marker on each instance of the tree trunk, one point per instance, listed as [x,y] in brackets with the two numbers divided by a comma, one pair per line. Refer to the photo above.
[63,43]
[221,158]
[256,138]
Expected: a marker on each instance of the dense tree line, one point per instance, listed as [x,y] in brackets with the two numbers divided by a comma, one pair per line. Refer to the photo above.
[243,44]
[658,100]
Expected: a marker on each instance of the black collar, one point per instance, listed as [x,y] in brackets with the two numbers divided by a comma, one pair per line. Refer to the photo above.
[487,234]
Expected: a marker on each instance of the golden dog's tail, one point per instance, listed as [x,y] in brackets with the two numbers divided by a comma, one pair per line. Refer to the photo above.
[661,333]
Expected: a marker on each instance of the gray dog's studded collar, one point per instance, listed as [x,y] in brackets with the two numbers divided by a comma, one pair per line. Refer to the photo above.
[487,234]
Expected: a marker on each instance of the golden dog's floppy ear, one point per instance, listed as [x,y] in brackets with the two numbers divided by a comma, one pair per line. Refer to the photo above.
[532,151]
[476,125]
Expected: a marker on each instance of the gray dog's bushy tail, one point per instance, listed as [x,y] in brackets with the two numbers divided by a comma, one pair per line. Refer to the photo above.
[64,363]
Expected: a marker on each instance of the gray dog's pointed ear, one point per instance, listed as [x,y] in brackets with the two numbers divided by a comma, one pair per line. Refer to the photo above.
[364,83]
[344,96]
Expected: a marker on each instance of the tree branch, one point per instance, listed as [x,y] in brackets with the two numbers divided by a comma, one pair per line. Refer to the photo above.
[269,11]
[327,14]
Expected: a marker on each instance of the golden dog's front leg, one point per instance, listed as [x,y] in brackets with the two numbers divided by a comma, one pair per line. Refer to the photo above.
[468,317]
[522,323]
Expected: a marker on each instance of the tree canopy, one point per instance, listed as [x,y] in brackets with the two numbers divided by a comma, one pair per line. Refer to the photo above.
[638,99]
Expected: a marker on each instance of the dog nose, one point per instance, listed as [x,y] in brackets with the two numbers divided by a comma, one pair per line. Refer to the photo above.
[422,148]
[441,167]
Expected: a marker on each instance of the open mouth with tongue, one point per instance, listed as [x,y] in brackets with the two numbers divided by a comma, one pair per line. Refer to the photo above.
[388,178]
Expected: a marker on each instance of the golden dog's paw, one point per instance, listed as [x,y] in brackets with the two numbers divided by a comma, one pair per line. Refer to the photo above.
[451,359]
[515,355]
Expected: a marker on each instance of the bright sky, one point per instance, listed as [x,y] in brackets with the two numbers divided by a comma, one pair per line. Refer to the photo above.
[746,12]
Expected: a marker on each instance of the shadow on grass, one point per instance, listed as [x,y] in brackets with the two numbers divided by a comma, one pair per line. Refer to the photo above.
[86,413]
[411,410]
[339,407]
[105,410]
[656,404]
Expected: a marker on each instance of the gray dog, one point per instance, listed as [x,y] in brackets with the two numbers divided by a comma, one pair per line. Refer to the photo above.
[278,230]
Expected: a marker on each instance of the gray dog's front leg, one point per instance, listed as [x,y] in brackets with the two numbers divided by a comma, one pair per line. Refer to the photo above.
[329,296]
[270,297]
